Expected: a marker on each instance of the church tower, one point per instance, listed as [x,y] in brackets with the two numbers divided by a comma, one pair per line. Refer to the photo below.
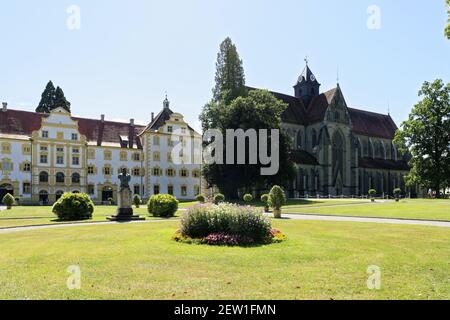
[307,86]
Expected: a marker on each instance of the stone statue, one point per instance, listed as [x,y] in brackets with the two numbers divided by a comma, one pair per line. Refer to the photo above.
[124,197]
[124,179]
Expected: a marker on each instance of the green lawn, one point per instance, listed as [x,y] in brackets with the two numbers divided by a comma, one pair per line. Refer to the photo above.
[408,209]
[28,216]
[321,260]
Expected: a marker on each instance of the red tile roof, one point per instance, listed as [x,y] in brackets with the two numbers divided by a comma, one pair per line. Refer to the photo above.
[364,122]
[25,122]
[372,124]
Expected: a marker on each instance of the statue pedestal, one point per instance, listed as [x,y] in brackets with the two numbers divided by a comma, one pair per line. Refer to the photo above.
[125,210]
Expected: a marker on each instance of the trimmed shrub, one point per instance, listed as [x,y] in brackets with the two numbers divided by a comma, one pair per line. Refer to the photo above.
[277,199]
[204,220]
[8,201]
[265,200]
[163,205]
[74,206]
[219,198]
[200,198]
[372,193]
[397,193]
[137,200]
[248,197]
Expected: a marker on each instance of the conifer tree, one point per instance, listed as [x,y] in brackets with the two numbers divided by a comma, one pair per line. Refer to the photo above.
[47,99]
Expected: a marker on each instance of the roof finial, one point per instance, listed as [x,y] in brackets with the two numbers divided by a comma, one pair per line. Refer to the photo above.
[337,75]
[166,102]
[389,109]
[306,60]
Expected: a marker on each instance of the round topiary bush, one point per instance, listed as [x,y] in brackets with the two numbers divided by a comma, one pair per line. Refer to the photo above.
[248,198]
[265,200]
[163,205]
[74,206]
[397,193]
[137,200]
[218,198]
[200,198]
[372,193]
[8,201]
[277,199]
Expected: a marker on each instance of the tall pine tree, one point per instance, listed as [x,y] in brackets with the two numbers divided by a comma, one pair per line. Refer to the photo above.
[60,100]
[52,98]
[230,78]
[47,99]
[233,107]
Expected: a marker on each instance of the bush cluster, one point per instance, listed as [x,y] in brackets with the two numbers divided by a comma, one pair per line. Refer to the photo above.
[74,206]
[162,205]
[226,224]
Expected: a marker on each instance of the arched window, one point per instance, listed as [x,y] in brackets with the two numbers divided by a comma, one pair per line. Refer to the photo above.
[338,145]
[60,177]
[299,140]
[76,178]
[394,152]
[370,148]
[43,177]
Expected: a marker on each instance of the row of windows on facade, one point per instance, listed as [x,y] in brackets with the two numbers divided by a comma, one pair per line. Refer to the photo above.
[59,177]
[156,189]
[59,135]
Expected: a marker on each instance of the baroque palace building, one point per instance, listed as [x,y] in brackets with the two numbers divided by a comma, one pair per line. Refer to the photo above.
[340,150]
[44,155]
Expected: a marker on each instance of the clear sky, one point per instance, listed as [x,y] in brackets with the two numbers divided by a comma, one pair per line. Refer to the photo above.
[128,53]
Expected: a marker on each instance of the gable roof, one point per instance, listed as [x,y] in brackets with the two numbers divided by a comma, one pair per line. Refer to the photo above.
[372,124]
[364,122]
[18,122]
[319,105]
[159,120]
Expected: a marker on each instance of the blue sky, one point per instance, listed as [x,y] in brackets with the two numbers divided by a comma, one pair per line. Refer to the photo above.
[128,53]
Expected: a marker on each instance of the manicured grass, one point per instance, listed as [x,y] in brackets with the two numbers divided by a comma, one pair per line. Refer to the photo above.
[321,260]
[27,216]
[407,209]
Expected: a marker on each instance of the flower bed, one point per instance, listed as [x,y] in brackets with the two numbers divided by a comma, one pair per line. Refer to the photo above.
[227,225]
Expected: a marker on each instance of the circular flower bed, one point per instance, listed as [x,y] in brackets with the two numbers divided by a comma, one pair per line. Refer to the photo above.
[227,225]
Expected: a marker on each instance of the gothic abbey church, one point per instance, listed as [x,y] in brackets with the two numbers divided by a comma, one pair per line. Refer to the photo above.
[339,150]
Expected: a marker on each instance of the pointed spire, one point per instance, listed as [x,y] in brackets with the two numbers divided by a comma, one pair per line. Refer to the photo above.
[166,102]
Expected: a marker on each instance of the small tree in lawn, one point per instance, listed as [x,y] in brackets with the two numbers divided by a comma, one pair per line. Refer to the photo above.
[372,193]
[397,193]
[8,201]
[248,198]
[218,198]
[265,200]
[200,198]
[137,200]
[277,199]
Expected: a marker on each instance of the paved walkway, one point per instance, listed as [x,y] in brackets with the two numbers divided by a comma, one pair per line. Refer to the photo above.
[314,217]
[70,225]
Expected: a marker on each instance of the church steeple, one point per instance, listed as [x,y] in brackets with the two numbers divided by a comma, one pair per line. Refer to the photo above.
[307,86]
[166,103]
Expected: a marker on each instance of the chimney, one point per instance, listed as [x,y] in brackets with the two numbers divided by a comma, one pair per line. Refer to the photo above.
[5,106]
[132,122]
[153,116]
[103,118]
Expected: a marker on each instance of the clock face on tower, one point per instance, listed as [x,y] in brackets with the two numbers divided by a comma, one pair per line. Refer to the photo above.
[313,78]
